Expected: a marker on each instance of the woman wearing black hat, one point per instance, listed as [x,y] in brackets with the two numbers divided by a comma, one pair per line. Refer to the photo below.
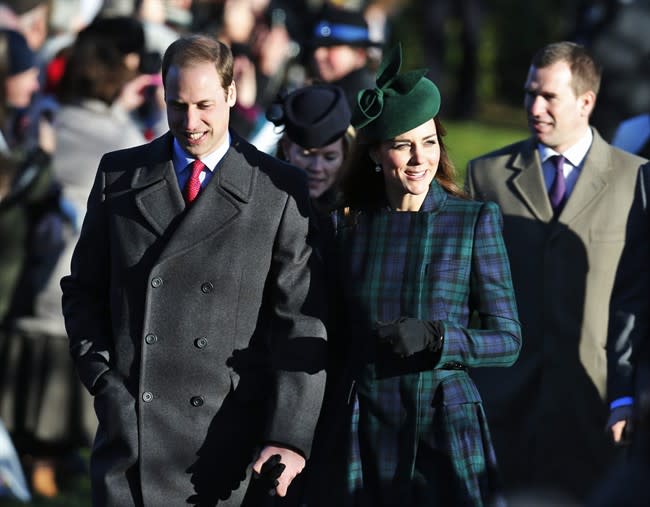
[317,137]
[415,260]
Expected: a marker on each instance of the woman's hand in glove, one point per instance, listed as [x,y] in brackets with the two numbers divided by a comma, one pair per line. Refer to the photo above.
[407,336]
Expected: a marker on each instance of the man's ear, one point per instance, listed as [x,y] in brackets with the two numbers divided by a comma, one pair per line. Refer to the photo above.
[587,103]
[231,94]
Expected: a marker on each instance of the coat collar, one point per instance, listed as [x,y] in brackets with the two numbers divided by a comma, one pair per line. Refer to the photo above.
[592,181]
[159,198]
[233,178]
[528,180]
[436,198]
[434,201]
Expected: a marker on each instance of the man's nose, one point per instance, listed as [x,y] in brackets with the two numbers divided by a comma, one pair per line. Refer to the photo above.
[536,105]
[192,119]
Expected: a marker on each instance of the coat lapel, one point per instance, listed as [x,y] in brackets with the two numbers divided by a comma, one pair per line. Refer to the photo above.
[220,202]
[528,182]
[157,194]
[591,182]
[435,199]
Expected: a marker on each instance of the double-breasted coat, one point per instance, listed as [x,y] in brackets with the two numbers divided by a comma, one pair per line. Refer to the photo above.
[198,329]
[548,413]
[417,431]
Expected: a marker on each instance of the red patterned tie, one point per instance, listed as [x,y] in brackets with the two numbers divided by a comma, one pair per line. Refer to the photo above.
[193,185]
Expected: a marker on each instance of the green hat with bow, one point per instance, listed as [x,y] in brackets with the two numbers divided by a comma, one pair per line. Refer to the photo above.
[397,104]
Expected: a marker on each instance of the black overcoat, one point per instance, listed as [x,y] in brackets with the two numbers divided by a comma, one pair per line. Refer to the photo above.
[199,330]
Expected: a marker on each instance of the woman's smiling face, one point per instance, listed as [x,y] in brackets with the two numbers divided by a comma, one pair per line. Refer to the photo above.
[409,162]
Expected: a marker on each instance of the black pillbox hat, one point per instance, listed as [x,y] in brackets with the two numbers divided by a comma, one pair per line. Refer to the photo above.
[314,116]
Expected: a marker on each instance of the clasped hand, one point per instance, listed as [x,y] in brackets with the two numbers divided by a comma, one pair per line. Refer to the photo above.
[407,336]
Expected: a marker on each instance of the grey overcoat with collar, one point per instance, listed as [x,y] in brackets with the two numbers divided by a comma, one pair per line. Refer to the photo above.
[548,412]
[199,330]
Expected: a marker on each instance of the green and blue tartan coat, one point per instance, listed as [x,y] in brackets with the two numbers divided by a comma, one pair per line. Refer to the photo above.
[417,434]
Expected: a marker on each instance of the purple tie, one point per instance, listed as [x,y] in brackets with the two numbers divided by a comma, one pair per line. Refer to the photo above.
[558,188]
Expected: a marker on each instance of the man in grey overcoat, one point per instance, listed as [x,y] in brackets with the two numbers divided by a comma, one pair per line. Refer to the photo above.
[194,304]
[564,229]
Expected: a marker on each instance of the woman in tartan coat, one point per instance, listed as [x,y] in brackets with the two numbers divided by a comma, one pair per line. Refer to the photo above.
[415,262]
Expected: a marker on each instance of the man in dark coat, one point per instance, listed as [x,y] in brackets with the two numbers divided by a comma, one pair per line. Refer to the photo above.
[194,314]
[626,482]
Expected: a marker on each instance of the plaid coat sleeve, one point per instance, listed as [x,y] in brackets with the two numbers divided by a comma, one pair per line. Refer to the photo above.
[498,340]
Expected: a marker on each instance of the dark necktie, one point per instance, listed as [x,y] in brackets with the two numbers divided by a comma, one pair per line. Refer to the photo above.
[193,185]
[558,188]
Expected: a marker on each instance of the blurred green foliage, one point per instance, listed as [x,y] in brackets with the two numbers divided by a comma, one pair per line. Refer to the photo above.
[469,139]
[512,31]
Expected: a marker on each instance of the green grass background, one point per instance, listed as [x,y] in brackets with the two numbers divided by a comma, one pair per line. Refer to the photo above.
[467,140]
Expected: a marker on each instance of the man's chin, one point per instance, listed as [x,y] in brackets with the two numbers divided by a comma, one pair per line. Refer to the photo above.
[191,149]
[539,137]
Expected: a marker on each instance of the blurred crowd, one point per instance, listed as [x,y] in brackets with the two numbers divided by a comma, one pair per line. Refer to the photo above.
[83,77]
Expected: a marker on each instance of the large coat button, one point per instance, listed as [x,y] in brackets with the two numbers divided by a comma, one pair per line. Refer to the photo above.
[207,287]
[156,282]
[196,401]
[147,396]
[201,342]
[150,339]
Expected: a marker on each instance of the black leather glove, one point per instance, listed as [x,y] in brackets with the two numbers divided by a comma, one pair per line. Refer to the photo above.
[406,336]
[270,473]
[109,378]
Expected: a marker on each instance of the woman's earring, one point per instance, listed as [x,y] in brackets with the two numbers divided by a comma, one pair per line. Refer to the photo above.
[377,168]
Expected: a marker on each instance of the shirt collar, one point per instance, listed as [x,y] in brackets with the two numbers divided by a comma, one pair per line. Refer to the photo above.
[574,155]
[181,159]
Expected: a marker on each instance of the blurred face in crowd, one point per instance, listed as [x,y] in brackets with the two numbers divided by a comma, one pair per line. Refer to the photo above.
[409,162]
[556,116]
[20,87]
[335,62]
[198,108]
[321,164]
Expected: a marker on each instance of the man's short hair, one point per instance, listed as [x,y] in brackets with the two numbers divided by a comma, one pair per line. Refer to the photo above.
[585,72]
[196,48]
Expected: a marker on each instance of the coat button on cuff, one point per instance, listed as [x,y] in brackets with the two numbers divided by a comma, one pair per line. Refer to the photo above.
[196,401]
[207,287]
[150,339]
[147,396]
[201,342]
[156,282]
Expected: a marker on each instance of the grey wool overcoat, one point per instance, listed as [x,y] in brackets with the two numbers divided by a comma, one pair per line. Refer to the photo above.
[199,329]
